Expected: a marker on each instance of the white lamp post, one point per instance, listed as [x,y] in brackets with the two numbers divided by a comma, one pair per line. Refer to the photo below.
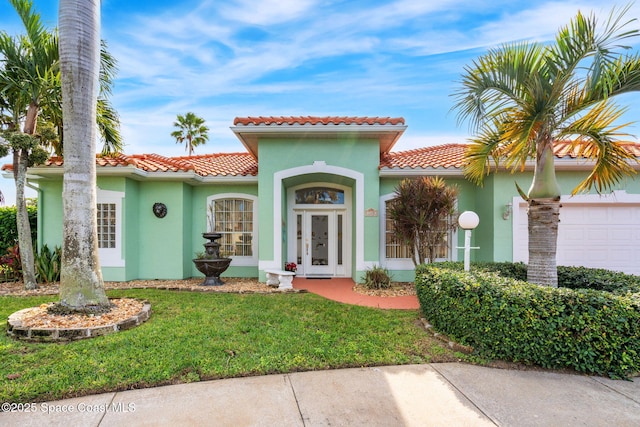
[468,220]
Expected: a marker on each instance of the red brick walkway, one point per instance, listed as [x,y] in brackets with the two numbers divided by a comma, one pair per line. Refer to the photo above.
[341,290]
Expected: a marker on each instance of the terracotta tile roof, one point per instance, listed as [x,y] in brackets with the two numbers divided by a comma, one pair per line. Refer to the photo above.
[563,149]
[312,120]
[147,162]
[244,164]
[451,156]
[440,156]
[221,164]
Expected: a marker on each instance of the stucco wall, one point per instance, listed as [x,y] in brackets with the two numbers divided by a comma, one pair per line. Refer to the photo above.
[157,248]
[276,155]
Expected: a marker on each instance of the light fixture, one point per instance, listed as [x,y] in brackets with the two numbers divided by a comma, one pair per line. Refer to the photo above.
[468,220]
[508,210]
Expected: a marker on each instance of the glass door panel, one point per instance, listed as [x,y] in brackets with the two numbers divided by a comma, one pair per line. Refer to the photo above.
[299,239]
[319,240]
[318,244]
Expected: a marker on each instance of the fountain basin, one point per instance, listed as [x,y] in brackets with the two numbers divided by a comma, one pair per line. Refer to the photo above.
[212,268]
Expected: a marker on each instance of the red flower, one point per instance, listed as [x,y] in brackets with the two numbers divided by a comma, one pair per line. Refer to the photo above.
[290,266]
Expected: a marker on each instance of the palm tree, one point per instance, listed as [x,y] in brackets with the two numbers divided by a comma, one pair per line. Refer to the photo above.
[81,283]
[30,93]
[523,98]
[107,118]
[29,73]
[191,130]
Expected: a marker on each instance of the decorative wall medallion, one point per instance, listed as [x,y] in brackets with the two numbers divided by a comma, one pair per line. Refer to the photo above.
[159,210]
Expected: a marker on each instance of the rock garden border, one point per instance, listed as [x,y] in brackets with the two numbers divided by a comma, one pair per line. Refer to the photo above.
[17,330]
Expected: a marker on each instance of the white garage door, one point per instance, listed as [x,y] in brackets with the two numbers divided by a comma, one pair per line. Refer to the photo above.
[594,231]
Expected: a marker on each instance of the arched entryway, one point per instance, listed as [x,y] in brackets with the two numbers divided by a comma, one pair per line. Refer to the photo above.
[284,228]
[319,217]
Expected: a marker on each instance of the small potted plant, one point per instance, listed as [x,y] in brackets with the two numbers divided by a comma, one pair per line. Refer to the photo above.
[290,266]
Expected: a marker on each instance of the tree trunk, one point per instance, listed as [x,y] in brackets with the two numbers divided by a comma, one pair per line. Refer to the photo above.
[544,216]
[20,163]
[81,282]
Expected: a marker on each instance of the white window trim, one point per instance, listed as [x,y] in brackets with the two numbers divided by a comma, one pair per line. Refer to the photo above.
[240,261]
[112,257]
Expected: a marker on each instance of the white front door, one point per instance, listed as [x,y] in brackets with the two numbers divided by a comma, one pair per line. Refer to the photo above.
[320,242]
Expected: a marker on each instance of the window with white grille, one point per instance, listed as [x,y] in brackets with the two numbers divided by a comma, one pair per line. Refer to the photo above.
[233,216]
[107,225]
[395,249]
[109,219]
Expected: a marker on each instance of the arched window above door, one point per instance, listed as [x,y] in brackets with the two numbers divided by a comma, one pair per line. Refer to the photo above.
[319,196]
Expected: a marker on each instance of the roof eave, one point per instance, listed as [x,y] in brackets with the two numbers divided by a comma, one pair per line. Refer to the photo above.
[229,179]
[571,163]
[248,135]
[397,172]
[57,171]
[40,173]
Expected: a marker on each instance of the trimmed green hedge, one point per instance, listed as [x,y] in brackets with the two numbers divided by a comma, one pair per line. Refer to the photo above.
[568,277]
[591,331]
[9,229]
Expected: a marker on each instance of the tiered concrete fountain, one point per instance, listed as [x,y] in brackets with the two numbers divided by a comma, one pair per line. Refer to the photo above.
[211,265]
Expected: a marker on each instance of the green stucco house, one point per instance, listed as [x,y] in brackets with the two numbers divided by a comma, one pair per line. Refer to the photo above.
[313,190]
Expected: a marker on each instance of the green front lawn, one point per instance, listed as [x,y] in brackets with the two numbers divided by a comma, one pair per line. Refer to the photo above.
[194,336]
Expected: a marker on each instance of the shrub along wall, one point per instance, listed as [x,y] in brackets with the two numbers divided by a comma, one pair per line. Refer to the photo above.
[9,229]
[588,330]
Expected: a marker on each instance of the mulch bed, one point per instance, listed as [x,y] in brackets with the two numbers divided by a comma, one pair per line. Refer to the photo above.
[231,285]
[38,317]
[397,290]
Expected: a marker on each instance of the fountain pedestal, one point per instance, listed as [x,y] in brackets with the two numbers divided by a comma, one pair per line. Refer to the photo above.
[211,265]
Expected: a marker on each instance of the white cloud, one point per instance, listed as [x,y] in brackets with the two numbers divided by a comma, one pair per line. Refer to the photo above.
[267,12]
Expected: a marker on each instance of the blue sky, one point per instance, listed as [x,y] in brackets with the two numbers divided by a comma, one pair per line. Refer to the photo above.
[223,59]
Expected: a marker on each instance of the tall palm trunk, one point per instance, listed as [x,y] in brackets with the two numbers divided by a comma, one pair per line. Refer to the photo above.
[81,282]
[544,216]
